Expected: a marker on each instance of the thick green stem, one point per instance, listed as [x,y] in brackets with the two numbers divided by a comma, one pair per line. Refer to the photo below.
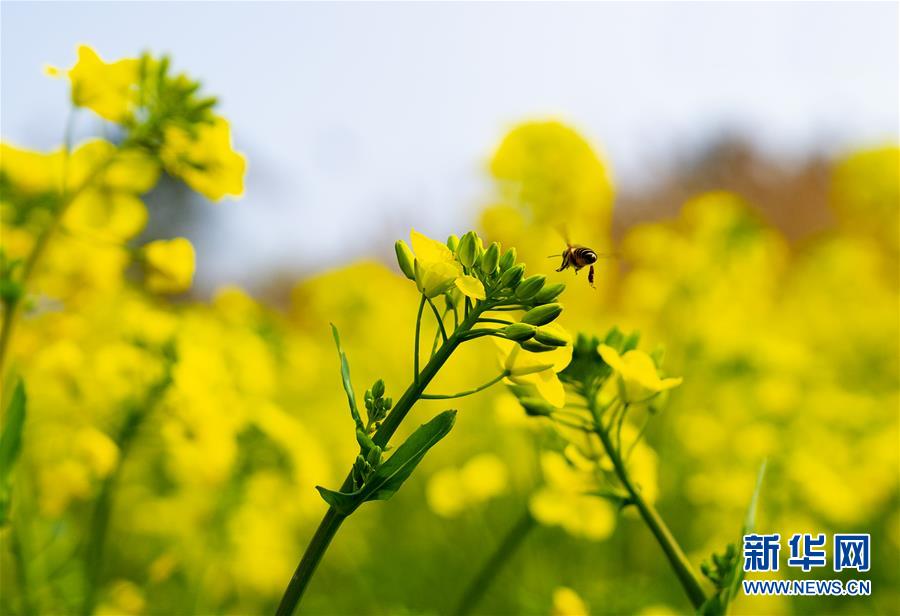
[677,559]
[329,525]
[492,567]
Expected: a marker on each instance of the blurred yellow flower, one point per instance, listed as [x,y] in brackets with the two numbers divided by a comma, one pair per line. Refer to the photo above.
[637,373]
[538,370]
[109,89]
[169,265]
[565,501]
[566,602]
[450,491]
[29,173]
[205,160]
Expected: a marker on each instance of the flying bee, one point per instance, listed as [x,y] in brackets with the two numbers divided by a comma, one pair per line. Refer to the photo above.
[577,257]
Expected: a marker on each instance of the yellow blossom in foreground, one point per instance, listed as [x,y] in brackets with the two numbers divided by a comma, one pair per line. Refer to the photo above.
[637,373]
[566,602]
[437,270]
[206,161]
[109,89]
[537,369]
[170,265]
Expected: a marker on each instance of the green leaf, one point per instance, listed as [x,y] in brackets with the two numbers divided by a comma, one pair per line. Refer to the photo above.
[388,477]
[343,502]
[750,519]
[345,378]
[11,445]
[730,581]
[11,439]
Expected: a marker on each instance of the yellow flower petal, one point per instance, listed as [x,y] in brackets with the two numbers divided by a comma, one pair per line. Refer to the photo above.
[470,287]
[108,89]
[428,250]
[170,265]
[435,278]
[206,161]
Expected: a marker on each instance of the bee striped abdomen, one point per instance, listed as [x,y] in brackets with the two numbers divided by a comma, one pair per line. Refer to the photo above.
[583,256]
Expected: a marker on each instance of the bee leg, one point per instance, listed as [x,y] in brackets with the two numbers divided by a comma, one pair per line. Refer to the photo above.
[565,262]
[591,276]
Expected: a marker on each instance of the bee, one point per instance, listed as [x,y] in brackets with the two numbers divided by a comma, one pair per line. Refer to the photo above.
[577,257]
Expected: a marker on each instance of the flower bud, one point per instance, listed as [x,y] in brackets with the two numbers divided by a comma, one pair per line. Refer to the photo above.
[467,249]
[452,243]
[536,347]
[530,286]
[550,337]
[536,407]
[374,456]
[512,276]
[541,315]
[508,259]
[388,403]
[518,331]
[405,259]
[378,388]
[548,294]
[490,259]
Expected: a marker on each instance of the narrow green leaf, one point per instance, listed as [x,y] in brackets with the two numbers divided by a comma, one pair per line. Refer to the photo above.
[345,378]
[750,519]
[344,503]
[10,445]
[11,439]
[720,602]
[388,477]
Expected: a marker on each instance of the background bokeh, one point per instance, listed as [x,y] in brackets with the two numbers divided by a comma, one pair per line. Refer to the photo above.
[741,161]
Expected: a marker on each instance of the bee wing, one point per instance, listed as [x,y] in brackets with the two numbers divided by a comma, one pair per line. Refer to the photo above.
[563,230]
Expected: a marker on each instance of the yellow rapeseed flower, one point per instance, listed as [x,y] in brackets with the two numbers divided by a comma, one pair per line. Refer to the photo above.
[170,265]
[537,369]
[637,373]
[109,89]
[206,160]
[437,269]
[566,602]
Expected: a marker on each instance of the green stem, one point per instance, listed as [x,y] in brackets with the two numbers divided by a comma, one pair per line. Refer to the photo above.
[677,559]
[438,318]
[18,553]
[332,520]
[418,332]
[490,320]
[492,567]
[95,543]
[468,392]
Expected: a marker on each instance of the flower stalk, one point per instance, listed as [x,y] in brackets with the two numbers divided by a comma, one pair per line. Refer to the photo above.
[465,274]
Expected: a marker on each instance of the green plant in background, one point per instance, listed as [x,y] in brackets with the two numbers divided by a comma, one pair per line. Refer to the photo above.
[607,382]
[480,287]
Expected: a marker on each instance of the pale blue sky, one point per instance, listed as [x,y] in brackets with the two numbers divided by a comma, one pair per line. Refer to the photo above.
[361,120]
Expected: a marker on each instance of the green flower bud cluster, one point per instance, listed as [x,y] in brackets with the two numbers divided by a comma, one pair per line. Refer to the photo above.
[721,566]
[505,279]
[377,405]
[366,461]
